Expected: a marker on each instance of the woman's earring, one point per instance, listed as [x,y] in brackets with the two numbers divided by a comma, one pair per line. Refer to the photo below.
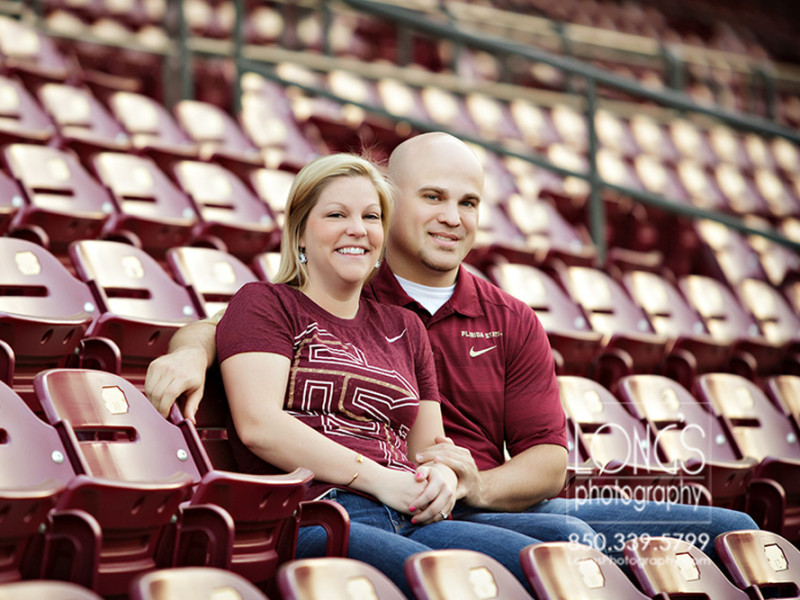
[378,264]
[302,257]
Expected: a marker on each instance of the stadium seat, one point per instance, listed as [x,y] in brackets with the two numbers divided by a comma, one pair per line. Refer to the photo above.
[763,563]
[140,305]
[725,254]
[624,325]
[45,313]
[690,347]
[728,146]
[266,265]
[784,391]
[41,588]
[30,54]
[548,236]
[690,435]
[653,138]
[84,124]
[568,570]
[34,474]
[24,121]
[151,128]
[728,322]
[460,575]
[334,579]
[272,187]
[198,583]
[668,567]
[268,120]
[534,123]
[691,142]
[614,133]
[101,531]
[211,276]
[775,317]
[64,202]
[231,215]
[619,444]
[761,431]
[218,136]
[116,433]
[151,211]
[568,331]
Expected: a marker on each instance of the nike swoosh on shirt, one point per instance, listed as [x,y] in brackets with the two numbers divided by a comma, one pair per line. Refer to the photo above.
[395,338]
[473,353]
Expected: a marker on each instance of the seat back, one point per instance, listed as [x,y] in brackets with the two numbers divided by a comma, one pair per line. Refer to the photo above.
[687,430]
[460,575]
[27,52]
[566,570]
[199,583]
[567,328]
[34,470]
[23,118]
[334,579]
[149,205]
[759,428]
[211,276]
[722,313]
[141,305]
[614,438]
[117,432]
[772,312]
[212,129]
[230,211]
[671,567]
[148,123]
[81,117]
[44,310]
[763,563]
[65,201]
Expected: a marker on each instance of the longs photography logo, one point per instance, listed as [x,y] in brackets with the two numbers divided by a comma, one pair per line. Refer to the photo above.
[633,466]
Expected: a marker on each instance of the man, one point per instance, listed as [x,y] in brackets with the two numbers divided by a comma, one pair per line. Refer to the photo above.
[494,364]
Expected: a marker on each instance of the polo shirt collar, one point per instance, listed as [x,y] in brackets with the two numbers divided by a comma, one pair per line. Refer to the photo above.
[463,301]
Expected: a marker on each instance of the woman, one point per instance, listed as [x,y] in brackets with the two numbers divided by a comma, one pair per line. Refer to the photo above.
[319,377]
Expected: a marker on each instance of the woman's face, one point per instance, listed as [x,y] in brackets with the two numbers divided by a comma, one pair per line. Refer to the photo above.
[343,236]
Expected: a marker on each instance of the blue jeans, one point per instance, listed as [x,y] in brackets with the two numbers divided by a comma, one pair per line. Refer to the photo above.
[385,538]
[607,523]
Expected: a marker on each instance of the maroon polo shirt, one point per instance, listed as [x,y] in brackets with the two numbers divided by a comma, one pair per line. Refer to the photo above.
[494,366]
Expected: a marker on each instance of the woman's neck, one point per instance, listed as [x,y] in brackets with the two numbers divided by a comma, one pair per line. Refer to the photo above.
[343,304]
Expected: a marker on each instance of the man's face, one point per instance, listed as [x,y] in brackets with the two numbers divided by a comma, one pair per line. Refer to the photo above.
[436,218]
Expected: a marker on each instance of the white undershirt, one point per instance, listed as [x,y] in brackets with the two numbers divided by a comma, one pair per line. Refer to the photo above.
[429,297]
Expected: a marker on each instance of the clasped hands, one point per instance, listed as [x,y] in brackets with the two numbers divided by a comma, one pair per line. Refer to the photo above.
[451,475]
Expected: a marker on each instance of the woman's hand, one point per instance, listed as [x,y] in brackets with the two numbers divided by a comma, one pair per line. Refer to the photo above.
[437,500]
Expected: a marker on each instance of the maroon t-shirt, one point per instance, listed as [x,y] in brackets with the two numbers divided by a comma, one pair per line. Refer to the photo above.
[494,365]
[357,381]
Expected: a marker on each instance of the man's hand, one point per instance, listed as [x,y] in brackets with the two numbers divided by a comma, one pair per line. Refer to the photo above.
[181,372]
[470,482]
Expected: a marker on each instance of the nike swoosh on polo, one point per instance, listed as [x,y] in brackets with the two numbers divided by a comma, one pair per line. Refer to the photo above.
[473,353]
[395,338]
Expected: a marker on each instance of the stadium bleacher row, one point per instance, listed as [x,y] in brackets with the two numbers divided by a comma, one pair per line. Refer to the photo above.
[124,217]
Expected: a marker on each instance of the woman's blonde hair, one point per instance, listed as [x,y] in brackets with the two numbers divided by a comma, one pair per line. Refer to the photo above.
[303,196]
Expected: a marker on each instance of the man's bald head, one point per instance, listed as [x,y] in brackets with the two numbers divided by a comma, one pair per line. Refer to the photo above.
[439,182]
[407,156]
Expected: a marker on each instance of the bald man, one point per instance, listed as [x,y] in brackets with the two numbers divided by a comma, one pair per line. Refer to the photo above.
[494,365]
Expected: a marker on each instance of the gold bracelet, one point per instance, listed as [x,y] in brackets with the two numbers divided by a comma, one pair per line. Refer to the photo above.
[359,459]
